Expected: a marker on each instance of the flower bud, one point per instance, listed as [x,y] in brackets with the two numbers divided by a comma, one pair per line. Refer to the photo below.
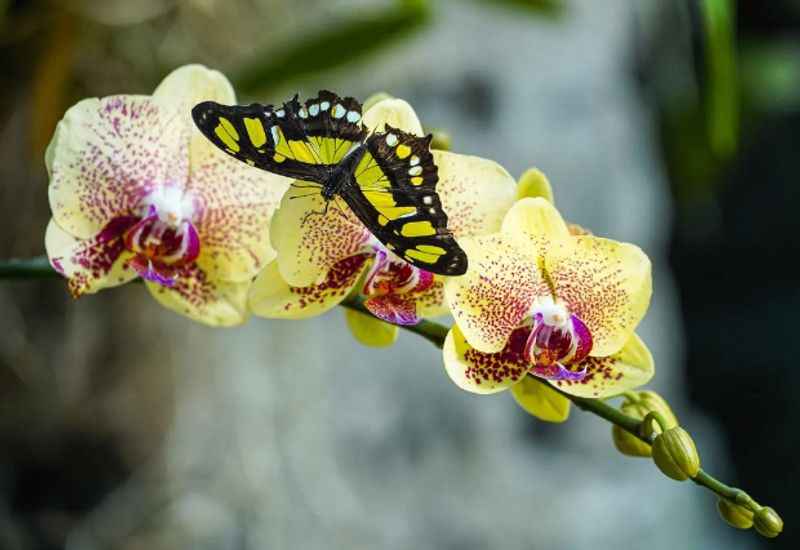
[533,183]
[735,515]
[638,405]
[767,522]
[675,454]
[628,444]
[441,140]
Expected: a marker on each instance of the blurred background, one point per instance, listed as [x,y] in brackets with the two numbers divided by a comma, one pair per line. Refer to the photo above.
[669,123]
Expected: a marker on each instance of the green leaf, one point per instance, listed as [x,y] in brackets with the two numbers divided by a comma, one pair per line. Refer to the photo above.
[334,47]
[533,7]
[722,95]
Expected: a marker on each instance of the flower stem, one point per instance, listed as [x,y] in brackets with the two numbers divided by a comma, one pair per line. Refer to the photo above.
[39,268]
[33,268]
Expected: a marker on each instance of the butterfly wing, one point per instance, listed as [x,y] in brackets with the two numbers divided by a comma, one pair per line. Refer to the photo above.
[302,141]
[394,195]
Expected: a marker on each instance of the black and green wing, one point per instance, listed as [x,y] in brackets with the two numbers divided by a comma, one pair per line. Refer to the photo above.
[394,195]
[302,141]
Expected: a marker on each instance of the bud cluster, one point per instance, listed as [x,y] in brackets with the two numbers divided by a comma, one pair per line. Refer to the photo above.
[674,453]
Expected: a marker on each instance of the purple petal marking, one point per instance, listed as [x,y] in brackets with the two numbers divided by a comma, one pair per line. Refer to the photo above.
[192,240]
[116,228]
[394,309]
[425,280]
[583,339]
[56,263]
[152,272]
[557,371]
[380,261]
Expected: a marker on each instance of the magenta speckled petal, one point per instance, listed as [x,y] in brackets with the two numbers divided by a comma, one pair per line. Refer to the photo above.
[272,297]
[236,205]
[107,154]
[485,373]
[91,264]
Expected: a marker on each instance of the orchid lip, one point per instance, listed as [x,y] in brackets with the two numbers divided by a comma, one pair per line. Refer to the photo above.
[391,275]
[558,371]
[557,340]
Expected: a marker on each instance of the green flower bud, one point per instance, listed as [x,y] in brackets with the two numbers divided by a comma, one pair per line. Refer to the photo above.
[654,402]
[735,515]
[533,183]
[638,405]
[441,140]
[675,454]
[768,523]
[628,444]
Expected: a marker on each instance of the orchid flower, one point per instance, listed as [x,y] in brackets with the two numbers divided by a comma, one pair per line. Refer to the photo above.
[321,258]
[539,300]
[137,191]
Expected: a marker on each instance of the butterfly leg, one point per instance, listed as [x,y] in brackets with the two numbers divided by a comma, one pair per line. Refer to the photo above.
[310,213]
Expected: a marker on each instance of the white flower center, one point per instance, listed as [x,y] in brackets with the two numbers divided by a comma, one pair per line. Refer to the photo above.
[553,313]
[172,205]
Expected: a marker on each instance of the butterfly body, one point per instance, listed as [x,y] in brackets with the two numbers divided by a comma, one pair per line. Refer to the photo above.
[341,174]
[387,178]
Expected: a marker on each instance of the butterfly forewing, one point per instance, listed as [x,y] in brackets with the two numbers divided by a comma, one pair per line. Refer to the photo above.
[293,140]
[394,195]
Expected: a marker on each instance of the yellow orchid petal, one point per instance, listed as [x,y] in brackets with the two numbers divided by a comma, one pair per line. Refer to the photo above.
[431,301]
[88,264]
[607,284]
[630,367]
[370,331]
[103,154]
[479,372]
[184,88]
[397,113]
[237,205]
[533,183]
[496,293]
[540,400]
[539,226]
[272,297]
[197,296]
[187,86]
[476,193]
[310,236]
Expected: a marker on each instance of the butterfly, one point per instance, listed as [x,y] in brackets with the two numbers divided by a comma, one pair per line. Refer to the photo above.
[388,179]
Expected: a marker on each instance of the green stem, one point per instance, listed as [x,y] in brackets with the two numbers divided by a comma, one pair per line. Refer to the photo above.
[436,333]
[34,268]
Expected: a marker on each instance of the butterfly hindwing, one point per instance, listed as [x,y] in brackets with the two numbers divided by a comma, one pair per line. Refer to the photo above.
[395,197]
[293,140]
